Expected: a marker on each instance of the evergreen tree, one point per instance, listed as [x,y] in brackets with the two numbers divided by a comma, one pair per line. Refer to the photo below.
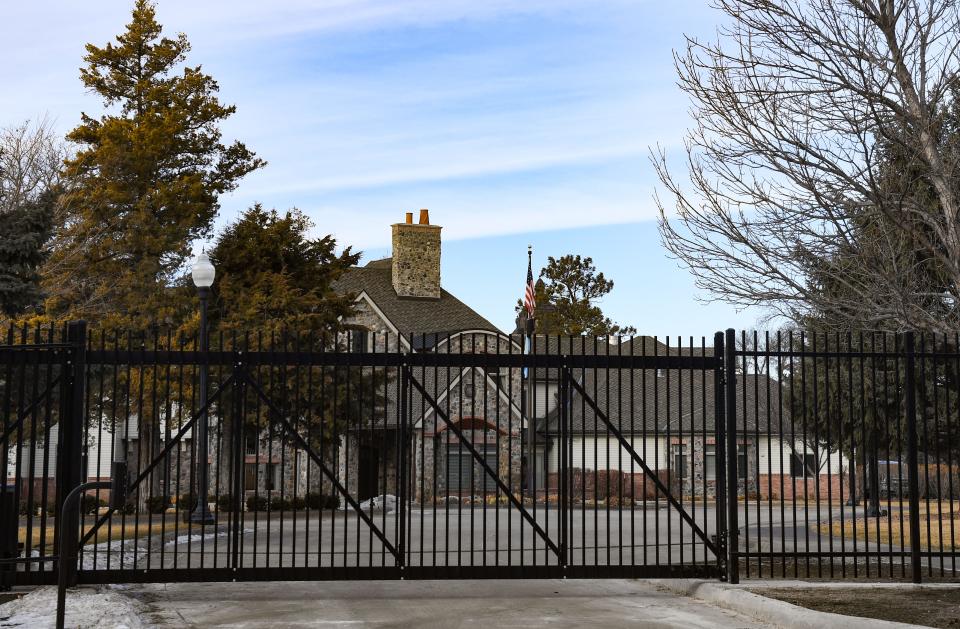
[273,277]
[24,230]
[567,294]
[274,291]
[145,182]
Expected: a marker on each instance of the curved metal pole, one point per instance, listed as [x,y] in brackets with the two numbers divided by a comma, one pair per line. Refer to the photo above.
[67,554]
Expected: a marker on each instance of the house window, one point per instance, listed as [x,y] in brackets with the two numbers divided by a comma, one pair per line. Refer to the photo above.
[802,465]
[680,460]
[358,340]
[742,460]
[461,464]
[270,480]
[710,461]
[250,444]
[250,476]
[271,476]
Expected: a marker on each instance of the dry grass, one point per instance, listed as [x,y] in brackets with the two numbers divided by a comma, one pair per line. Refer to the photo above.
[939,527]
[109,532]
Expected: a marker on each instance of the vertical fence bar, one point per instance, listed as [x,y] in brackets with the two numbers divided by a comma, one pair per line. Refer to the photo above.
[719,450]
[402,468]
[730,383]
[70,442]
[912,465]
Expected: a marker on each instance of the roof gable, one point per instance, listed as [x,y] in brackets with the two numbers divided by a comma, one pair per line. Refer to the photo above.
[410,315]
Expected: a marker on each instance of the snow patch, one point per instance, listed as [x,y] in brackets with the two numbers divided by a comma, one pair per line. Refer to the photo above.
[387,502]
[196,538]
[86,607]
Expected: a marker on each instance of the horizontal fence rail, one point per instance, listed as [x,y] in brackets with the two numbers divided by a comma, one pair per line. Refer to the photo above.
[368,455]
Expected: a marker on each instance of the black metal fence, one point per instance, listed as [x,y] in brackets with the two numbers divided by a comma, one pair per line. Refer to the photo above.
[373,455]
[852,469]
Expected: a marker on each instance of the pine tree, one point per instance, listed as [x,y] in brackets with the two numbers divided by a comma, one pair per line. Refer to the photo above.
[145,182]
[570,288]
[24,230]
[273,277]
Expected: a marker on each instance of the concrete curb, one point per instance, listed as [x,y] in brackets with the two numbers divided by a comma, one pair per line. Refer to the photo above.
[772,611]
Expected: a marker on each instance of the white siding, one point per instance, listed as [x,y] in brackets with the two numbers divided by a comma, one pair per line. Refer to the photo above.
[774,457]
[603,453]
[99,446]
[545,398]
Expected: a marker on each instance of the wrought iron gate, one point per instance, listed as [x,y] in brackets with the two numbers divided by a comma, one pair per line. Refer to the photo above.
[578,459]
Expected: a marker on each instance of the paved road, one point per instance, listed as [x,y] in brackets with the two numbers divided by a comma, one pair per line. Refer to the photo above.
[446,604]
[482,537]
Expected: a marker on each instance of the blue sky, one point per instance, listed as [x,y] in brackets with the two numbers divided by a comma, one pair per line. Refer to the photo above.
[514,122]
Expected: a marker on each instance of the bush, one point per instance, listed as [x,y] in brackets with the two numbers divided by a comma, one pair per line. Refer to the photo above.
[278,503]
[225,502]
[187,502]
[90,504]
[157,504]
[298,503]
[129,508]
[257,503]
[321,501]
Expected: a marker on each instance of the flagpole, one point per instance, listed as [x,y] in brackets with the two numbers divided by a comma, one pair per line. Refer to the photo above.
[530,326]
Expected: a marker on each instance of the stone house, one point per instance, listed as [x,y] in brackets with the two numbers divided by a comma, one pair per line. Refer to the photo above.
[402,307]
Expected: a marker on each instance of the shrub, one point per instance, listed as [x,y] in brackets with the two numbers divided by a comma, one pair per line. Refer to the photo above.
[90,504]
[279,503]
[157,504]
[321,501]
[298,503]
[128,508]
[257,503]
[187,502]
[225,502]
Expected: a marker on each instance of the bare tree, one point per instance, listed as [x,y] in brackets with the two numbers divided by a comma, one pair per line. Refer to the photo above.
[31,161]
[791,202]
[31,157]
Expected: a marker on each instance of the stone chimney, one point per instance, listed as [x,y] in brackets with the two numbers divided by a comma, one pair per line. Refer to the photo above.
[416,258]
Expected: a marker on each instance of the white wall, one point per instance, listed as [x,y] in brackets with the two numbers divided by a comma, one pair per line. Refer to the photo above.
[774,456]
[603,453]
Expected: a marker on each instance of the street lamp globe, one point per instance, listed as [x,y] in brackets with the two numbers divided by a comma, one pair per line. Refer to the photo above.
[203,271]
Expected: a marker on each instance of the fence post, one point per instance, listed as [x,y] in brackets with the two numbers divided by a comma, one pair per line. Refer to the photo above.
[912,447]
[70,443]
[402,471]
[730,384]
[719,448]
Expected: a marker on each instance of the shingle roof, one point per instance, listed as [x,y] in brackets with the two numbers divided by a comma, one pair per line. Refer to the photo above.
[410,315]
[676,400]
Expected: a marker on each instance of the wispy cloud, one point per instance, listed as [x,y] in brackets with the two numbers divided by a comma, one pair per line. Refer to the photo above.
[531,114]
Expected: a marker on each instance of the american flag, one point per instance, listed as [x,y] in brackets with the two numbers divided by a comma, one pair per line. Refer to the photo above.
[529,300]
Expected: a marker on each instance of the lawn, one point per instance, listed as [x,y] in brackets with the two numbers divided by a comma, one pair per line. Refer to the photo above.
[939,527]
[114,531]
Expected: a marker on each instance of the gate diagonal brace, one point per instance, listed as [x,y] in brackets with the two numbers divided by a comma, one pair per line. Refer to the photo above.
[323,467]
[24,413]
[184,429]
[626,445]
[476,455]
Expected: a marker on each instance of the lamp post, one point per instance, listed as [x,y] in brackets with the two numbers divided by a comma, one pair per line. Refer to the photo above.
[203,274]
